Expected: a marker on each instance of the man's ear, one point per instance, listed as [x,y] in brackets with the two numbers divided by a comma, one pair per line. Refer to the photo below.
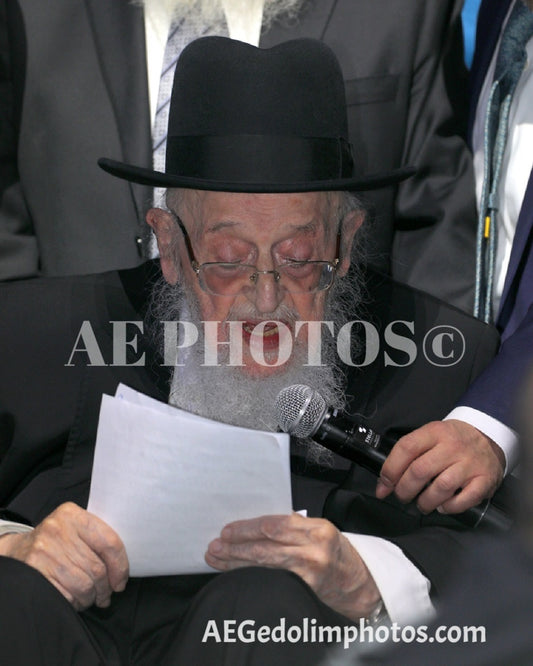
[165,231]
[350,225]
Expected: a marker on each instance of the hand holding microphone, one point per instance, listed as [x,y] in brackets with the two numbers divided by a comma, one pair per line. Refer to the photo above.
[302,412]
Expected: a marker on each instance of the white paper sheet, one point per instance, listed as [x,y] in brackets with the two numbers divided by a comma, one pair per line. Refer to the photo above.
[168,481]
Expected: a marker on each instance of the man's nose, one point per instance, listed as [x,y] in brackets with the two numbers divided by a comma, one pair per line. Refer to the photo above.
[268,292]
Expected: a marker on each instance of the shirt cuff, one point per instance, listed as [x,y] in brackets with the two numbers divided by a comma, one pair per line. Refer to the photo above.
[404,589]
[9,527]
[505,437]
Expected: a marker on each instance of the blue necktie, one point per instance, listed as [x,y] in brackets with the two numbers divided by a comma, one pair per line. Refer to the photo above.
[509,67]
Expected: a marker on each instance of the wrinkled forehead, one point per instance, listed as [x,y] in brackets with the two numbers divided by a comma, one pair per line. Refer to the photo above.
[207,211]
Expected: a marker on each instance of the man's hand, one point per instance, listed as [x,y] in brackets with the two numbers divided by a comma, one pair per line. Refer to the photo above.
[310,547]
[78,553]
[449,465]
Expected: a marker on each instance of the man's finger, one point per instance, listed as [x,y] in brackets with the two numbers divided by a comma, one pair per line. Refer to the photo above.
[223,555]
[442,488]
[78,569]
[288,530]
[471,495]
[405,451]
[437,470]
[107,545]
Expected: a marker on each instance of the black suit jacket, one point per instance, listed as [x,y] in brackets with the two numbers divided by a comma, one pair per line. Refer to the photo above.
[73,76]
[50,398]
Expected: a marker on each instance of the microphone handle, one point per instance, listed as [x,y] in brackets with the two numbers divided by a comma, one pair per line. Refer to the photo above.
[353,441]
[367,448]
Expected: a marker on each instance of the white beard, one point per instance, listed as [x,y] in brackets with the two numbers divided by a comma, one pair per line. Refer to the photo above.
[225,393]
[211,12]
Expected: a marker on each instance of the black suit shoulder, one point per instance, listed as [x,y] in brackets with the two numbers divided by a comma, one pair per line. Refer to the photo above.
[417,356]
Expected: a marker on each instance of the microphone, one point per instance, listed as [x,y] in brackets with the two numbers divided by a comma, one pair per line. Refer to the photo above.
[302,412]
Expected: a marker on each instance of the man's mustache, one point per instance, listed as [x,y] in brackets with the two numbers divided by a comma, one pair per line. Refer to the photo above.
[283,313]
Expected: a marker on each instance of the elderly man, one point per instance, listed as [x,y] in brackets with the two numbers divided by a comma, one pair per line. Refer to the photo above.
[258,230]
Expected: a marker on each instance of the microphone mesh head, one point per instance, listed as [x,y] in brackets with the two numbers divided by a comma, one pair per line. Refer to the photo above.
[300,410]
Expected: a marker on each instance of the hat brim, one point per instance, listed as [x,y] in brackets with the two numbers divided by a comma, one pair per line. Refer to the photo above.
[152,178]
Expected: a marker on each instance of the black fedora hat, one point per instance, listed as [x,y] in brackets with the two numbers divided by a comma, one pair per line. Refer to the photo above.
[245,119]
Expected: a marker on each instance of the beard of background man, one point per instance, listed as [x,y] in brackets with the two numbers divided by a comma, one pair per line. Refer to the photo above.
[210,13]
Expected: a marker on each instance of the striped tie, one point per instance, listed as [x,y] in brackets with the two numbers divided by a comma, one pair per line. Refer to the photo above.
[181,33]
[179,36]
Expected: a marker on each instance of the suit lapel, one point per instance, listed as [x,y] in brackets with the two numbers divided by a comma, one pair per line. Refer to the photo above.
[118,30]
[491,16]
[519,256]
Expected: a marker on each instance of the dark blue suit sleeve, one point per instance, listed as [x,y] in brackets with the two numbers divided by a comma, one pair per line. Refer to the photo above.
[496,391]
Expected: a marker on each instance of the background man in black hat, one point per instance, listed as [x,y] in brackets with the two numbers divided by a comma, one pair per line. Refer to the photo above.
[258,227]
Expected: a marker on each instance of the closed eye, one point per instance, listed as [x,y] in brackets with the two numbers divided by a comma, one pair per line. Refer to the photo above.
[227,267]
[297,267]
